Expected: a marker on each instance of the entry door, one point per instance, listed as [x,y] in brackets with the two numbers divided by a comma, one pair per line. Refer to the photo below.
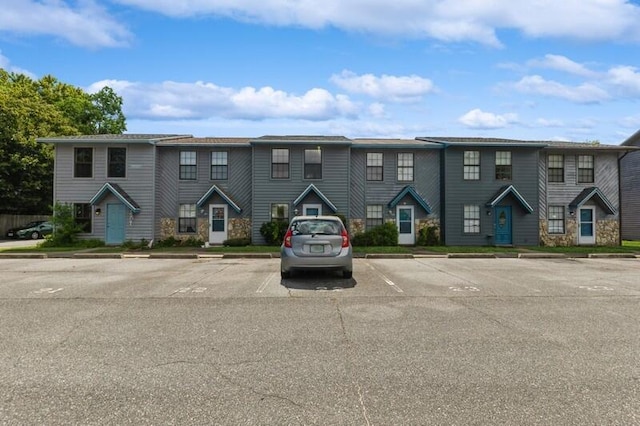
[217,223]
[503,234]
[116,216]
[587,225]
[312,209]
[406,231]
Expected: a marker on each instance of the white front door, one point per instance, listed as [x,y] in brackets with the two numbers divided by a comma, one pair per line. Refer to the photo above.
[587,225]
[406,229]
[312,209]
[217,223]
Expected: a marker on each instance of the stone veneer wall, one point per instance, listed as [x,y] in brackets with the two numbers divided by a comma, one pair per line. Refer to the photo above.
[239,228]
[607,233]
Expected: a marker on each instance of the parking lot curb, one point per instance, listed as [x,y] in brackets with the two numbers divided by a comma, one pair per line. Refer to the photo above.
[247,256]
[471,256]
[612,256]
[135,256]
[430,256]
[541,256]
[210,256]
[173,256]
[23,255]
[389,256]
[97,256]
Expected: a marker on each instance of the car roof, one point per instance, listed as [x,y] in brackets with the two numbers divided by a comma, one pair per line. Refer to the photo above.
[308,217]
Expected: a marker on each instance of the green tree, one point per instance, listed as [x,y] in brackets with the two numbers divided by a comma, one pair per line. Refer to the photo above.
[37,108]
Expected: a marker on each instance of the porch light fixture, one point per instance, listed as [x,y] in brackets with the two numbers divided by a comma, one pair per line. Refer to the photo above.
[98,211]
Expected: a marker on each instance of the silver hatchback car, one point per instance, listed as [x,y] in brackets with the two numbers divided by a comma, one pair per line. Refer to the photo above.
[316,242]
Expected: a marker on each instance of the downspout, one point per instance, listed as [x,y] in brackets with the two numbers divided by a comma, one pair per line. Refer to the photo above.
[620,157]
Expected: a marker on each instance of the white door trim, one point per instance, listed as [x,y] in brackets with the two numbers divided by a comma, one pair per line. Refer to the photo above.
[218,237]
[587,239]
[408,238]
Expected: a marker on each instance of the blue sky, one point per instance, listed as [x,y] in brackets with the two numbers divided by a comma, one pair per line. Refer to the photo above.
[544,69]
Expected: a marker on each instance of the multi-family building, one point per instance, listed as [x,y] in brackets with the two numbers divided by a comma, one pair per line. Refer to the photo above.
[472,191]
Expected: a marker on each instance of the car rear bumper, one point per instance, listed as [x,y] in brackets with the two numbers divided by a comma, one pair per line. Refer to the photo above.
[289,261]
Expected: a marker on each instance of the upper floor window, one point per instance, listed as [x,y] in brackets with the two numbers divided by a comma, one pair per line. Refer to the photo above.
[374,215]
[187,218]
[280,163]
[405,166]
[503,165]
[83,162]
[117,159]
[188,165]
[585,169]
[471,165]
[374,165]
[313,163]
[280,212]
[471,219]
[556,220]
[556,168]
[82,216]
[219,165]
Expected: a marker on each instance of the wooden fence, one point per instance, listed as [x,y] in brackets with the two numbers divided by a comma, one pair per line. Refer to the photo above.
[12,220]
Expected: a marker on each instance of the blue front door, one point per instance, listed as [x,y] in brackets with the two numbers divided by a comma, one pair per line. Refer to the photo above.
[116,214]
[503,225]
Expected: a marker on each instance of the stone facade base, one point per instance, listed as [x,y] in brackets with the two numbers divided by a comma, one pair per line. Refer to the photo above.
[607,234]
[237,228]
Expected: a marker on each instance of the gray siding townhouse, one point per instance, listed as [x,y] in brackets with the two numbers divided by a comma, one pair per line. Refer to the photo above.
[473,191]
[395,180]
[489,191]
[630,187]
[580,194]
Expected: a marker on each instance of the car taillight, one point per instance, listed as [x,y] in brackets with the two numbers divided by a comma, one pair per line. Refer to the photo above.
[287,239]
[345,238]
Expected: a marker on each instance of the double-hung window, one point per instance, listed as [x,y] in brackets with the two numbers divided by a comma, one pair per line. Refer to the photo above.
[556,219]
[471,219]
[313,163]
[585,169]
[471,169]
[374,216]
[82,216]
[374,165]
[83,162]
[219,165]
[117,159]
[188,165]
[503,165]
[280,163]
[405,167]
[555,172]
[280,213]
[187,218]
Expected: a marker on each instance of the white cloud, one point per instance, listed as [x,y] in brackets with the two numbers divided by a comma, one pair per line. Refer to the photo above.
[625,78]
[544,122]
[386,87]
[377,110]
[200,100]
[584,93]
[562,63]
[478,119]
[5,63]
[87,24]
[631,121]
[445,20]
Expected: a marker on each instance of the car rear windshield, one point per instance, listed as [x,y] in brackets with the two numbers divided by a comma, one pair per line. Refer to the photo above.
[316,226]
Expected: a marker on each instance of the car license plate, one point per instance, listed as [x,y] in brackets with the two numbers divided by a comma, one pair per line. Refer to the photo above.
[316,248]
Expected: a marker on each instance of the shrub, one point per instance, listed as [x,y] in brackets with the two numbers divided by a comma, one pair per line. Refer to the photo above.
[65,228]
[428,236]
[381,235]
[273,232]
[174,242]
[236,242]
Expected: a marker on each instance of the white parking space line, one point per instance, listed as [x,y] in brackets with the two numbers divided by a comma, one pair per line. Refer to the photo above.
[266,282]
[385,279]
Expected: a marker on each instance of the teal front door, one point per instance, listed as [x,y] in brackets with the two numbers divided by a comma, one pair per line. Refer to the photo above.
[503,226]
[116,214]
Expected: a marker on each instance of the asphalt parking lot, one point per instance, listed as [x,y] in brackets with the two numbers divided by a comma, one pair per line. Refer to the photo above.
[406,341]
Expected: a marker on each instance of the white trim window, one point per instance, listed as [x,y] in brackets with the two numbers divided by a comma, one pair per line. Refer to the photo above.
[313,163]
[374,216]
[187,219]
[471,170]
[280,163]
[405,167]
[585,169]
[219,165]
[555,219]
[375,166]
[503,165]
[280,212]
[555,172]
[471,219]
[188,165]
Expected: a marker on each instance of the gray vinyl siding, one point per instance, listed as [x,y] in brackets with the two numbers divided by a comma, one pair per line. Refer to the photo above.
[138,183]
[630,187]
[266,191]
[171,191]
[459,192]
[426,181]
[562,194]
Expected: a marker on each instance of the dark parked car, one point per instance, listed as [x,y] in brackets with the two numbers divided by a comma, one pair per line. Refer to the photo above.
[34,230]
[316,242]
